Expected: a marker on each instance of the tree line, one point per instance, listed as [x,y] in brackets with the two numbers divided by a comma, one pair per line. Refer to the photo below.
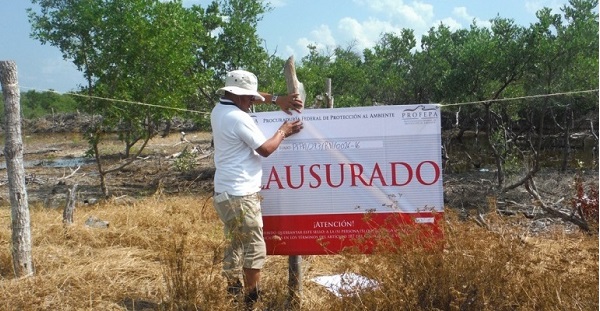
[164,54]
[37,104]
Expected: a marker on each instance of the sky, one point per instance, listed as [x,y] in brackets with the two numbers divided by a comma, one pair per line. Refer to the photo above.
[286,30]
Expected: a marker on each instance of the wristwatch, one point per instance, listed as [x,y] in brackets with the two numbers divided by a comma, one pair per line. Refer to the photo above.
[274,99]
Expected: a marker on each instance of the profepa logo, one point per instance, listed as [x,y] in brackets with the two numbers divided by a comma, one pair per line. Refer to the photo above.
[420,114]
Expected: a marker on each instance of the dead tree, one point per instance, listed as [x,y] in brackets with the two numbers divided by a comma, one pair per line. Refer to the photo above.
[13,152]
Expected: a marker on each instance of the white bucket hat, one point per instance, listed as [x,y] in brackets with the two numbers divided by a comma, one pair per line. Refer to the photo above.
[241,82]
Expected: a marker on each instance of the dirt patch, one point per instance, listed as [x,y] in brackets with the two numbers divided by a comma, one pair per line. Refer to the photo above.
[54,163]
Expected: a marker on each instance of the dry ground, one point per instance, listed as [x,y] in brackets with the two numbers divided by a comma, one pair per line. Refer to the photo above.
[155,170]
[163,247]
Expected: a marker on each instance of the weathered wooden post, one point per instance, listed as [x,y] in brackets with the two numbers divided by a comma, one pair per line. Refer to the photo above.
[13,152]
[291,81]
[70,206]
[294,261]
[328,96]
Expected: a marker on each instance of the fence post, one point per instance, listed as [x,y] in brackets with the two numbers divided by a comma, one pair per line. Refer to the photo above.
[294,261]
[70,206]
[13,152]
[328,95]
[295,281]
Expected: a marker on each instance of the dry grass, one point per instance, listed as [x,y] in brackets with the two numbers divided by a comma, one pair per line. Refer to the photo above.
[163,253]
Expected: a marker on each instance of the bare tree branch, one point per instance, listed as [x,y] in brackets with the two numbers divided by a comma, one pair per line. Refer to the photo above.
[70,175]
[532,189]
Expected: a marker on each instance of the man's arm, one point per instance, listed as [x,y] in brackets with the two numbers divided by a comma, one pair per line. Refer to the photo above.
[287,129]
[285,102]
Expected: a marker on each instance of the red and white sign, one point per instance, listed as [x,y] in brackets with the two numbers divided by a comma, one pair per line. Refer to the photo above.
[349,173]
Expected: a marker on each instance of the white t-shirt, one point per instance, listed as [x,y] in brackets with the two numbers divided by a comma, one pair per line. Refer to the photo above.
[236,136]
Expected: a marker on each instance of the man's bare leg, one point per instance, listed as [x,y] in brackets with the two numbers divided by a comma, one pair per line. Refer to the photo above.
[251,281]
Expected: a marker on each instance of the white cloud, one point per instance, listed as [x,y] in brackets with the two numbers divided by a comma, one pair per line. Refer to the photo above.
[532,6]
[291,51]
[354,31]
[417,15]
[424,10]
[483,23]
[351,32]
[321,37]
[462,14]
[365,34]
[303,44]
[450,23]
[323,33]
[391,16]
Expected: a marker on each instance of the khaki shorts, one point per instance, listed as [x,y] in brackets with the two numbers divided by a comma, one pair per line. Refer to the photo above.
[242,218]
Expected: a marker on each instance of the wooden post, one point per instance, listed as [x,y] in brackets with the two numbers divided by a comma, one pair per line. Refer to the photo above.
[292,83]
[295,281]
[294,261]
[70,206]
[13,152]
[328,96]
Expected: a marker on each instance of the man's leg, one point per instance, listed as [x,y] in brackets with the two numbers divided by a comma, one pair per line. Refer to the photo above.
[232,220]
[251,279]
[232,266]
[251,287]
[254,249]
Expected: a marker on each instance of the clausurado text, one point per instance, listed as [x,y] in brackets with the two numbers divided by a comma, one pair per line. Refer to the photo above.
[395,174]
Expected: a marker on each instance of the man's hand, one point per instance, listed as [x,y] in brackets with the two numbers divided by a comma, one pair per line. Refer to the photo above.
[290,102]
[290,128]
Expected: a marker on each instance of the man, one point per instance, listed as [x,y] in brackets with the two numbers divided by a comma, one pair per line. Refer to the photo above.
[239,145]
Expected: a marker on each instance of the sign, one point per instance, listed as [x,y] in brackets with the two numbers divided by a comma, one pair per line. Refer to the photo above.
[348,175]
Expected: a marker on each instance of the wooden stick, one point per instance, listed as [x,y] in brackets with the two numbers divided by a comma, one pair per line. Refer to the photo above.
[294,261]
[70,206]
[293,85]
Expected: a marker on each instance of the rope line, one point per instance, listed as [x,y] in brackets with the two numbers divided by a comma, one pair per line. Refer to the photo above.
[518,98]
[203,112]
[119,100]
